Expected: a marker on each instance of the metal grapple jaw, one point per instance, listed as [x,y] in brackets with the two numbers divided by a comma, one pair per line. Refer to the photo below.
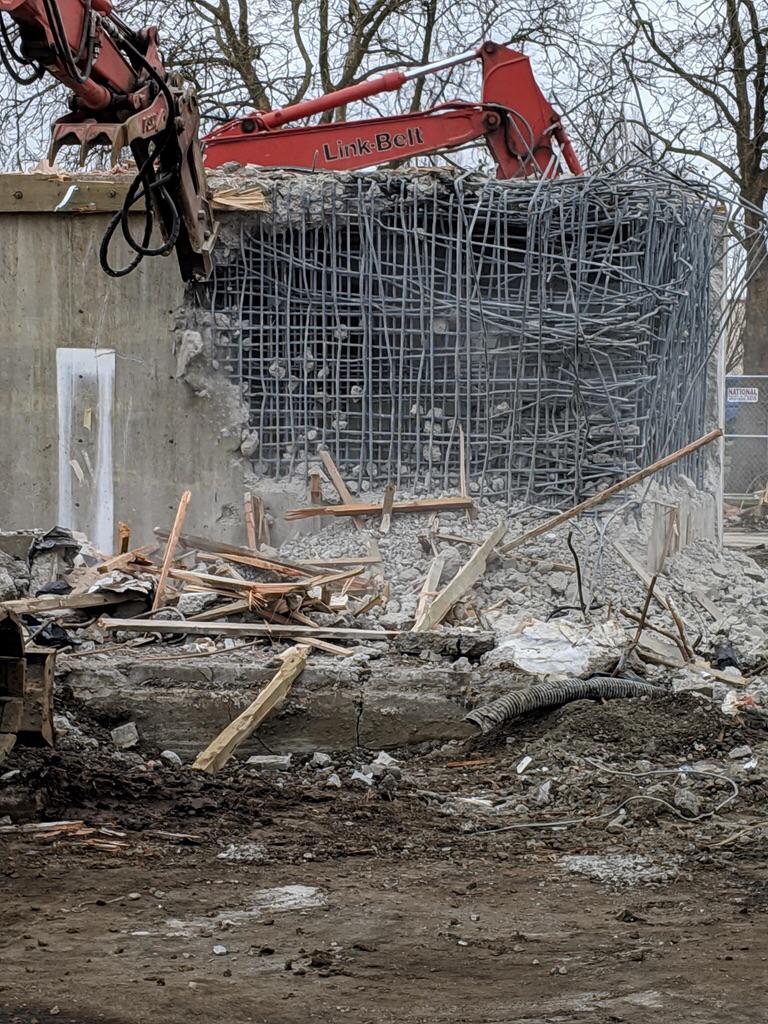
[165,142]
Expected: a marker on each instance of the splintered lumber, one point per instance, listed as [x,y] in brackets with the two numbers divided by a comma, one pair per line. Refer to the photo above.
[258,563]
[386,508]
[226,583]
[372,508]
[188,627]
[126,560]
[233,552]
[431,583]
[262,525]
[217,753]
[603,496]
[123,537]
[250,521]
[338,482]
[170,547]
[468,575]
[315,488]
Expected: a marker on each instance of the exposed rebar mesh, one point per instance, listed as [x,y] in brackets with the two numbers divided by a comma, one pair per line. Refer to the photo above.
[563,326]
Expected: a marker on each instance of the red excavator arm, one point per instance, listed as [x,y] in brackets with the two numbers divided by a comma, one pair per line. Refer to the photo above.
[122,96]
[521,128]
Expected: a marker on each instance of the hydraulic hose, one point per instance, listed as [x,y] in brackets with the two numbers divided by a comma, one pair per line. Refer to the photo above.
[553,695]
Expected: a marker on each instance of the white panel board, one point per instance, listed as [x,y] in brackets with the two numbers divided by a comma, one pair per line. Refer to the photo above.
[85,388]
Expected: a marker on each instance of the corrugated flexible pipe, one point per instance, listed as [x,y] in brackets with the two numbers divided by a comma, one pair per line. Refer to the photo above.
[552,695]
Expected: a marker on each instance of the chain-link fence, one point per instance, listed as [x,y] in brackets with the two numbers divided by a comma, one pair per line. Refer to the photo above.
[746,433]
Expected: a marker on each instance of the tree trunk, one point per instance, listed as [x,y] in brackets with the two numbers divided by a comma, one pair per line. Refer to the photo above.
[756,323]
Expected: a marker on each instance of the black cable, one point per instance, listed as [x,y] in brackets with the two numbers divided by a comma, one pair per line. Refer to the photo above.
[145,186]
[579,582]
[9,57]
[61,43]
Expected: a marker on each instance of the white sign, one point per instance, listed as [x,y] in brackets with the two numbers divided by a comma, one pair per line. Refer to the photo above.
[742,395]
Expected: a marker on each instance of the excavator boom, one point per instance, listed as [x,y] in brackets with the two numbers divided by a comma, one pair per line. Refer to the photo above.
[522,130]
[123,97]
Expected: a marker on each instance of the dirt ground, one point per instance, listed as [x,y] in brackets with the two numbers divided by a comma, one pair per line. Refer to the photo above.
[257,898]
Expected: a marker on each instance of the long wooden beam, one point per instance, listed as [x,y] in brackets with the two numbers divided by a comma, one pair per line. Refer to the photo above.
[219,751]
[603,496]
[173,539]
[242,629]
[369,508]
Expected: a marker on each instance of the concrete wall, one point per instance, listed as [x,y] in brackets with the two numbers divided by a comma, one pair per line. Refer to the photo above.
[105,431]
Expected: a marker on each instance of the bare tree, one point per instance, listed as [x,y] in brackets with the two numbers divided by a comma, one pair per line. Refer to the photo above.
[700,72]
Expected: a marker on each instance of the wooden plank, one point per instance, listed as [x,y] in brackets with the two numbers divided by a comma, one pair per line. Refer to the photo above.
[431,583]
[246,556]
[257,562]
[671,538]
[43,193]
[126,559]
[220,611]
[313,641]
[386,508]
[123,537]
[56,603]
[364,508]
[707,604]
[170,547]
[250,521]
[219,751]
[604,495]
[262,525]
[242,629]
[315,488]
[746,539]
[469,573]
[338,482]
[206,579]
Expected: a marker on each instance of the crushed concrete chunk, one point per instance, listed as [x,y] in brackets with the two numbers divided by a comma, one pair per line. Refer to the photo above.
[125,736]
[739,752]
[321,760]
[172,758]
[385,759]
[362,777]
[688,802]
[541,793]
[333,782]
[558,582]
[270,762]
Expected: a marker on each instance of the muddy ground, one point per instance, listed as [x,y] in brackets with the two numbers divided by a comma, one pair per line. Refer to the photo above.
[257,897]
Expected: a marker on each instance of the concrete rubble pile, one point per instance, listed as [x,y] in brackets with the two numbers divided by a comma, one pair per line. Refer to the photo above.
[395,585]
